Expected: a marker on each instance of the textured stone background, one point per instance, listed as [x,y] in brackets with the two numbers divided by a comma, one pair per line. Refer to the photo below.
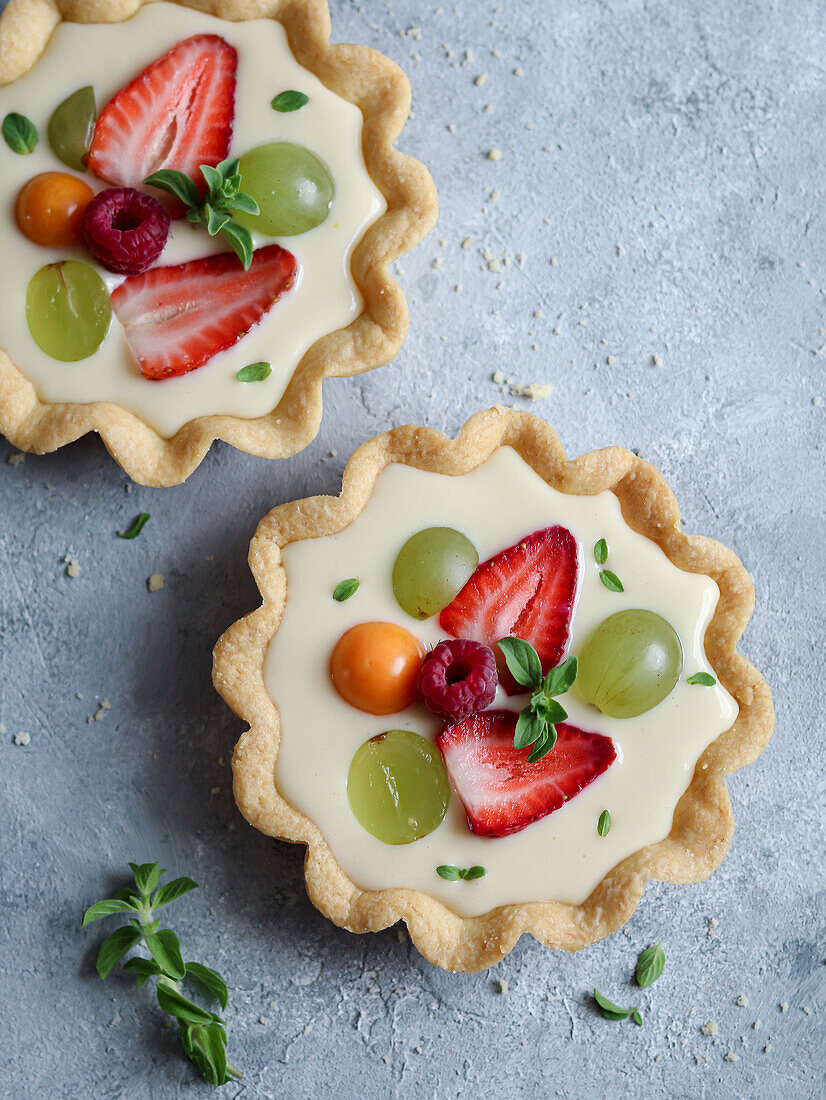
[662,174]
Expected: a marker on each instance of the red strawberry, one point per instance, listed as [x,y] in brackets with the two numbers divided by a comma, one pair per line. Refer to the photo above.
[500,790]
[176,318]
[177,113]
[526,591]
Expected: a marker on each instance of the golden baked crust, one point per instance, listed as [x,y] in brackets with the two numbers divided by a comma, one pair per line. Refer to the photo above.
[703,822]
[382,92]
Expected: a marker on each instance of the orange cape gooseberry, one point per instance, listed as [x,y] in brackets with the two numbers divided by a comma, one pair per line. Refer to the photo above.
[50,206]
[375,667]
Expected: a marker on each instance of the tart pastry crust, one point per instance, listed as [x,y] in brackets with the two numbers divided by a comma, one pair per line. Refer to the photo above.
[703,823]
[355,73]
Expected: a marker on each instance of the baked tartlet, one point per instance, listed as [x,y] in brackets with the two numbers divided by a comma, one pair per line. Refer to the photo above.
[478,790]
[130,313]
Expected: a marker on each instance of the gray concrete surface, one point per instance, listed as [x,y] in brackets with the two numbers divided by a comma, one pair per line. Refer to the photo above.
[663,176]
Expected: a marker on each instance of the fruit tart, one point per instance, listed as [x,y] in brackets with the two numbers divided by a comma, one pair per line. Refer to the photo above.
[492,690]
[200,213]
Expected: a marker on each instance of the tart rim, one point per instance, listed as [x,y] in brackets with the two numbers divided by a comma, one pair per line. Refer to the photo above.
[357,74]
[703,821]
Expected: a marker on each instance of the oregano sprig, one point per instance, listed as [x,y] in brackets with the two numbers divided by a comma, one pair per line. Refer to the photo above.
[223,198]
[202,1032]
[536,724]
[453,874]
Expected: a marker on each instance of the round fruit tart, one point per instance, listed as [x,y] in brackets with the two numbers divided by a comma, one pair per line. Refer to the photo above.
[492,690]
[200,212]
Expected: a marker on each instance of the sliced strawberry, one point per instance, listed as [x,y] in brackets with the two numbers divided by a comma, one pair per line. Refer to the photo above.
[176,318]
[500,790]
[177,113]
[526,591]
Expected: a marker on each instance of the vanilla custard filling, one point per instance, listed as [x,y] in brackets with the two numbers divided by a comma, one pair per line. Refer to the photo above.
[560,857]
[324,296]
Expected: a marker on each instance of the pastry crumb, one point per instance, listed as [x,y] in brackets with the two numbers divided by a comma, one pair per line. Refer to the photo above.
[656,361]
[498,377]
[480,79]
[16,459]
[700,1059]
[72,567]
[817,401]
[712,924]
[756,1024]
[467,242]
[610,360]
[155,583]
[742,1001]
[534,391]
[22,738]
[495,154]
[767,1048]
[784,1006]
[451,127]
[710,1028]
[502,985]
[436,261]
[730,1056]
[100,713]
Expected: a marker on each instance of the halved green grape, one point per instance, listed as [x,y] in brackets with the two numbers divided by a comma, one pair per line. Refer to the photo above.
[71,127]
[292,187]
[398,787]
[630,663]
[431,569]
[68,310]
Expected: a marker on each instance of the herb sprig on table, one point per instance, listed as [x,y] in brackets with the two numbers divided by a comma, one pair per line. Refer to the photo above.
[203,1036]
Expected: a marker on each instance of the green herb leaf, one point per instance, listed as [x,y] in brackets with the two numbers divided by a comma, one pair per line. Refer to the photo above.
[215,181]
[240,240]
[543,745]
[601,552]
[209,979]
[636,1018]
[241,202]
[206,1047]
[611,580]
[522,661]
[144,968]
[254,372]
[650,965]
[554,712]
[449,872]
[604,823]
[703,679]
[106,908]
[138,525]
[215,220]
[147,876]
[20,134]
[175,183]
[173,890]
[175,1004]
[529,727]
[195,215]
[114,947]
[345,589]
[561,679]
[473,872]
[609,1010]
[288,101]
[166,951]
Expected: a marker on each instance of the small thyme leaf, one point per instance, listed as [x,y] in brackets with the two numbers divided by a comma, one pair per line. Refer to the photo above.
[20,133]
[138,525]
[601,552]
[611,580]
[473,872]
[604,823]
[609,1010]
[650,965]
[449,872]
[289,101]
[345,589]
[522,661]
[703,679]
[254,372]
[636,1018]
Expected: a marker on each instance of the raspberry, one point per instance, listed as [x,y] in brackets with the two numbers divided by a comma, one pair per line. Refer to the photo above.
[458,679]
[125,230]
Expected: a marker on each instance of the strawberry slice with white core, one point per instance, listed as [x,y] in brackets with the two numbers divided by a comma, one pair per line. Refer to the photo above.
[500,790]
[177,113]
[526,591]
[177,318]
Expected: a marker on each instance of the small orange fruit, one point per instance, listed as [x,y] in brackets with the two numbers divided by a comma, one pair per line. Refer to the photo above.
[50,206]
[375,667]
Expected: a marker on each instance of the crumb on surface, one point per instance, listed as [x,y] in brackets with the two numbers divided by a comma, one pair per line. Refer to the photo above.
[710,1028]
[784,1006]
[22,738]
[730,1056]
[494,154]
[155,582]
[480,79]
[656,361]
[742,1001]
[502,985]
[16,458]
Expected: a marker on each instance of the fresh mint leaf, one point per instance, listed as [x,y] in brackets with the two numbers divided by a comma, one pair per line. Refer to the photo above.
[106,908]
[609,1010]
[138,525]
[522,661]
[650,965]
[114,947]
[449,872]
[289,101]
[143,968]
[20,133]
[561,679]
[604,823]
[171,891]
[601,552]
[529,727]
[611,580]
[175,1004]
[176,183]
[254,372]
[543,745]
[345,589]
[210,980]
[166,951]
[703,679]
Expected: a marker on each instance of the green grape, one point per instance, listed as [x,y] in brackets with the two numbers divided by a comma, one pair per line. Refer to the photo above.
[71,127]
[68,310]
[398,787]
[431,569]
[292,187]
[630,663]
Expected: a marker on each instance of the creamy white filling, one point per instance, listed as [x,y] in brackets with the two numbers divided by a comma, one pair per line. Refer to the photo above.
[561,857]
[324,296]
